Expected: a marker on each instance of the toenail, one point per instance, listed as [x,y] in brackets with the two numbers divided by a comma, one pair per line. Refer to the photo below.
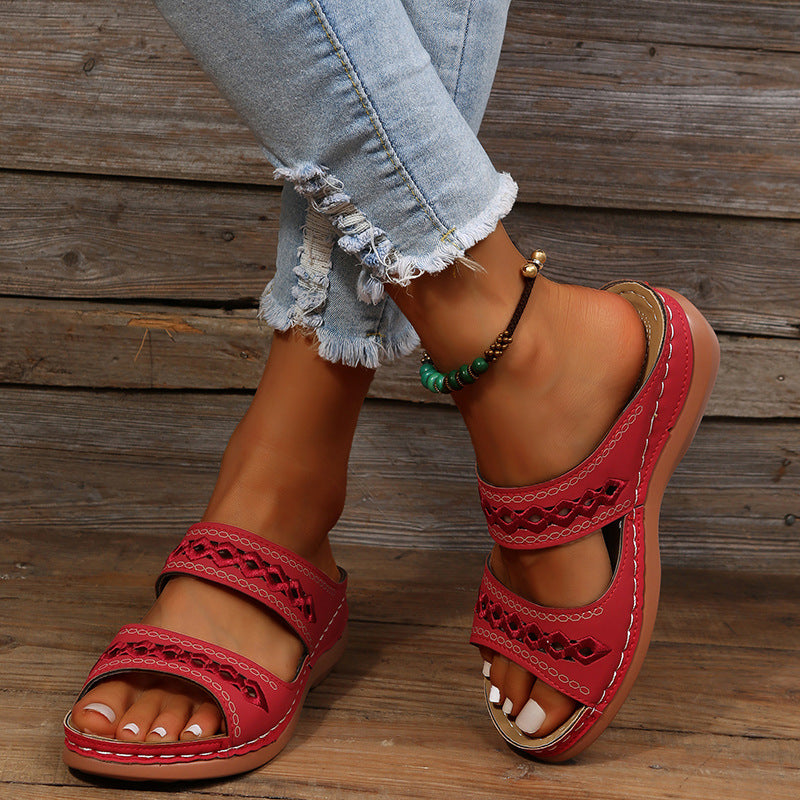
[494,694]
[195,729]
[487,666]
[132,727]
[159,731]
[508,706]
[103,710]
[530,719]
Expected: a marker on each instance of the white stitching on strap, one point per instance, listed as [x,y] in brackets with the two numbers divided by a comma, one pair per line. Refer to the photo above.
[529,657]
[507,598]
[267,546]
[193,566]
[541,538]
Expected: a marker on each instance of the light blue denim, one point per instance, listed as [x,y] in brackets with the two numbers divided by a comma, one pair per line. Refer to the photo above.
[370,110]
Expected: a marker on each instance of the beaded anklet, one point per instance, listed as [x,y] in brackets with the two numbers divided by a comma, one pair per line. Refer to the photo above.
[444,383]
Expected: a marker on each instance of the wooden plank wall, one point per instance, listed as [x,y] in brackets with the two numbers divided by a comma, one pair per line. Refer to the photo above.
[138,225]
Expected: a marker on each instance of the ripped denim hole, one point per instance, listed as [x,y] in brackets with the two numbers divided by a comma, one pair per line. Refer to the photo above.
[310,293]
[380,260]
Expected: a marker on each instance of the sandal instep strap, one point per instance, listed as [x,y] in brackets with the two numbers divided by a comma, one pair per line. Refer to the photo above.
[304,596]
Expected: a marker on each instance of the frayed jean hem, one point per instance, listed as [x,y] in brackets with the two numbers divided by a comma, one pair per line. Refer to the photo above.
[368,351]
[381,261]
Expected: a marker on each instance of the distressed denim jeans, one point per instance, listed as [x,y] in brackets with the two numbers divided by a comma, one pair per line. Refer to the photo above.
[369,110]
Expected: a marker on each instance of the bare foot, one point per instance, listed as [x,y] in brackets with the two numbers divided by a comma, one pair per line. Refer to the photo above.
[153,708]
[283,477]
[545,405]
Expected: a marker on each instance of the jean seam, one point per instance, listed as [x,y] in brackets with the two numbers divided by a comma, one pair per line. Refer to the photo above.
[461,54]
[338,49]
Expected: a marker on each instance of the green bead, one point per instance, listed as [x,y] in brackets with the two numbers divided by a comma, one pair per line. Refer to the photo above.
[430,383]
[479,365]
[425,370]
[464,376]
[452,379]
[438,382]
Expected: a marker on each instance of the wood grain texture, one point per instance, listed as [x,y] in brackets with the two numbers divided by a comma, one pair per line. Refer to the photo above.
[741,25]
[402,716]
[631,119]
[92,345]
[111,460]
[82,237]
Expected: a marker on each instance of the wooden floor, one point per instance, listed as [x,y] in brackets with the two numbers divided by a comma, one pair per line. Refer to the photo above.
[714,714]
[655,139]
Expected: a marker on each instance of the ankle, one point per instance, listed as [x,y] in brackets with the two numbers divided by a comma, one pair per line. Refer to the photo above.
[547,402]
[292,504]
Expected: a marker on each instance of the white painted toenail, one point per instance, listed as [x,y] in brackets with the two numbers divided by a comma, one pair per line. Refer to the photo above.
[494,694]
[132,727]
[530,719]
[487,666]
[103,710]
[195,729]
[508,706]
[159,731]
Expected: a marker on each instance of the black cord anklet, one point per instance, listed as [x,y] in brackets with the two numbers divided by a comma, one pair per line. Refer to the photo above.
[442,383]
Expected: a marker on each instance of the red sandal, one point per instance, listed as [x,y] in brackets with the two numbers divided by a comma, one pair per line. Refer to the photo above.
[593,654]
[259,709]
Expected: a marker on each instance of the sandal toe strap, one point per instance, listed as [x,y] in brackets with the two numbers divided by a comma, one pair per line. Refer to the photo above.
[248,696]
[582,652]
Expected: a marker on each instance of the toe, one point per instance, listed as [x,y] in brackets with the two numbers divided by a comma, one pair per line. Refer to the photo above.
[516,689]
[557,707]
[176,709]
[138,719]
[205,721]
[99,710]
[497,677]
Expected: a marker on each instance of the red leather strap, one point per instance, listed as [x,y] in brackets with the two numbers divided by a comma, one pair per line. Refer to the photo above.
[302,595]
[582,652]
[246,693]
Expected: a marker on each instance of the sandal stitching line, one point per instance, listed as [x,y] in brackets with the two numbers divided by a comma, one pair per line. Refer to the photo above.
[267,547]
[504,594]
[634,608]
[238,555]
[503,538]
[206,647]
[491,636]
[301,624]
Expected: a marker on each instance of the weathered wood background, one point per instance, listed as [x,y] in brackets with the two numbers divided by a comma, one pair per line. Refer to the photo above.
[657,139]
[138,225]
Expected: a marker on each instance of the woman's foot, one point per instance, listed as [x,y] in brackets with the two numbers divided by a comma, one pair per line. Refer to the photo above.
[574,364]
[283,477]
[543,406]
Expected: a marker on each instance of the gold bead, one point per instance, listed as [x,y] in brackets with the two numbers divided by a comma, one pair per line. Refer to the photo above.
[530,269]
